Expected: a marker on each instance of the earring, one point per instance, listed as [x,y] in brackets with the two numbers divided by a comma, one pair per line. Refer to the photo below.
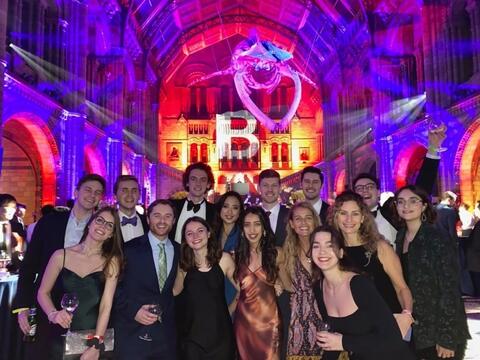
[264,233]
[424,217]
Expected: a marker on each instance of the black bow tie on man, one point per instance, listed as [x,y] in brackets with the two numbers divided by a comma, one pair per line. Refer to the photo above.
[131,221]
[196,207]
[374,213]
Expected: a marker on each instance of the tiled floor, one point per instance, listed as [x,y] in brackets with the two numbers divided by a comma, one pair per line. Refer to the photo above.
[472,307]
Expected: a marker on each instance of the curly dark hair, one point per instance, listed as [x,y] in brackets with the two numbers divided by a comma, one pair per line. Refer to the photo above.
[338,243]
[430,213]
[368,232]
[214,251]
[198,166]
[267,246]
[112,248]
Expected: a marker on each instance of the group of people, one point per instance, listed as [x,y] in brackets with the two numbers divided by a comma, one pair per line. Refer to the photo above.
[194,280]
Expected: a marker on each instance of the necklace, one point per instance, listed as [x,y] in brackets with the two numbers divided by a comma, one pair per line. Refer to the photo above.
[307,258]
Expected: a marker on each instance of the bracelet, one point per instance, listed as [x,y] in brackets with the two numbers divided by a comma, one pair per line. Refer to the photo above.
[96,342]
[93,336]
[17,311]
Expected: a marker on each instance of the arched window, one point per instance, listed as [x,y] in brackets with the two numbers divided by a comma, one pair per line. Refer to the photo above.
[274,152]
[285,153]
[204,153]
[193,153]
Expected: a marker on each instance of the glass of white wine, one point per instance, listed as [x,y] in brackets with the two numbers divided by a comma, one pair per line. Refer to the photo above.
[69,303]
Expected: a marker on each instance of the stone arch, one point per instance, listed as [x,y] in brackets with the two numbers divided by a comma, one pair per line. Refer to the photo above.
[467,164]
[408,163]
[126,168]
[94,161]
[32,134]
[340,182]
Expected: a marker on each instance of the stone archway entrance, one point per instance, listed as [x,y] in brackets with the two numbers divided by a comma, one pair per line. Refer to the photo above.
[30,162]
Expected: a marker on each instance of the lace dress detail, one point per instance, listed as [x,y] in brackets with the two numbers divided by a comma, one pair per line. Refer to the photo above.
[305,317]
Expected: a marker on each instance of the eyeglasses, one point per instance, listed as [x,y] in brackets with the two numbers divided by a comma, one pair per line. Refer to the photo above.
[409,202]
[106,224]
[366,187]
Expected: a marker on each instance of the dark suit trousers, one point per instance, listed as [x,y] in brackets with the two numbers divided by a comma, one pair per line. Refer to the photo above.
[150,350]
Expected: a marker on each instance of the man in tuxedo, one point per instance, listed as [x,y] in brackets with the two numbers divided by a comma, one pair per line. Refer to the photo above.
[312,180]
[368,187]
[148,278]
[127,194]
[197,180]
[269,189]
[52,232]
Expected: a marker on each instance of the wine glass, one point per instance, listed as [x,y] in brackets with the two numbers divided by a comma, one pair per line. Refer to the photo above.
[69,303]
[435,125]
[156,310]
[323,326]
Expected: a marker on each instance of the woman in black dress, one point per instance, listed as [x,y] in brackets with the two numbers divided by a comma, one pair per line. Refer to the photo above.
[430,265]
[371,254]
[359,319]
[206,330]
[90,270]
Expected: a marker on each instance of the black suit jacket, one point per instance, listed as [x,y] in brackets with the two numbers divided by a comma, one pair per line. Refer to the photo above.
[281,228]
[425,179]
[446,221]
[324,212]
[143,219]
[139,286]
[211,210]
[48,236]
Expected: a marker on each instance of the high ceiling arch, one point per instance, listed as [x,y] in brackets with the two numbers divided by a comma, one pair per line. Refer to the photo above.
[320,33]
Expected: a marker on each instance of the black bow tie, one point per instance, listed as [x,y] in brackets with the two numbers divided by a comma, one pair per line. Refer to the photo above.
[268,213]
[126,221]
[374,213]
[195,207]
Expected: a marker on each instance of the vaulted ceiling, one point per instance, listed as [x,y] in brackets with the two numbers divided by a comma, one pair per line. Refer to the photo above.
[321,34]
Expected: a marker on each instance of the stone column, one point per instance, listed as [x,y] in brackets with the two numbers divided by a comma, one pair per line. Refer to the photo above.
[71,151]
[75,42]
[473,10]
[138,161]
[382,128]
[434,15]
[114,159]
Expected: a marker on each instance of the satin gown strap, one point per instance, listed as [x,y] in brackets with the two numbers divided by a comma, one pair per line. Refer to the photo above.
[64,256]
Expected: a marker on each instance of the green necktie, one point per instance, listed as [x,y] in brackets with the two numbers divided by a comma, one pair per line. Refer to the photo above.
[162,267]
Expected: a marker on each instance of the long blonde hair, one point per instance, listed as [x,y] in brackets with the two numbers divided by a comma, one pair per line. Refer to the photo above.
[291,247]
[368,232]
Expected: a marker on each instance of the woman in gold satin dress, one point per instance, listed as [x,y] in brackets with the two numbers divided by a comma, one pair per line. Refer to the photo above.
[257,320]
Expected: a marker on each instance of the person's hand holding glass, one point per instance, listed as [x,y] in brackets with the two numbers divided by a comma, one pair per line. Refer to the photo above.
[147,315]
[436,133]
[327,340]
[69,304]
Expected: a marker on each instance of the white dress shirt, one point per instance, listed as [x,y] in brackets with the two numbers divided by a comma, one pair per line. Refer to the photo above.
[385,228]
[185,214]
[129,231]
[273,216]
[75,229]
[169,251]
